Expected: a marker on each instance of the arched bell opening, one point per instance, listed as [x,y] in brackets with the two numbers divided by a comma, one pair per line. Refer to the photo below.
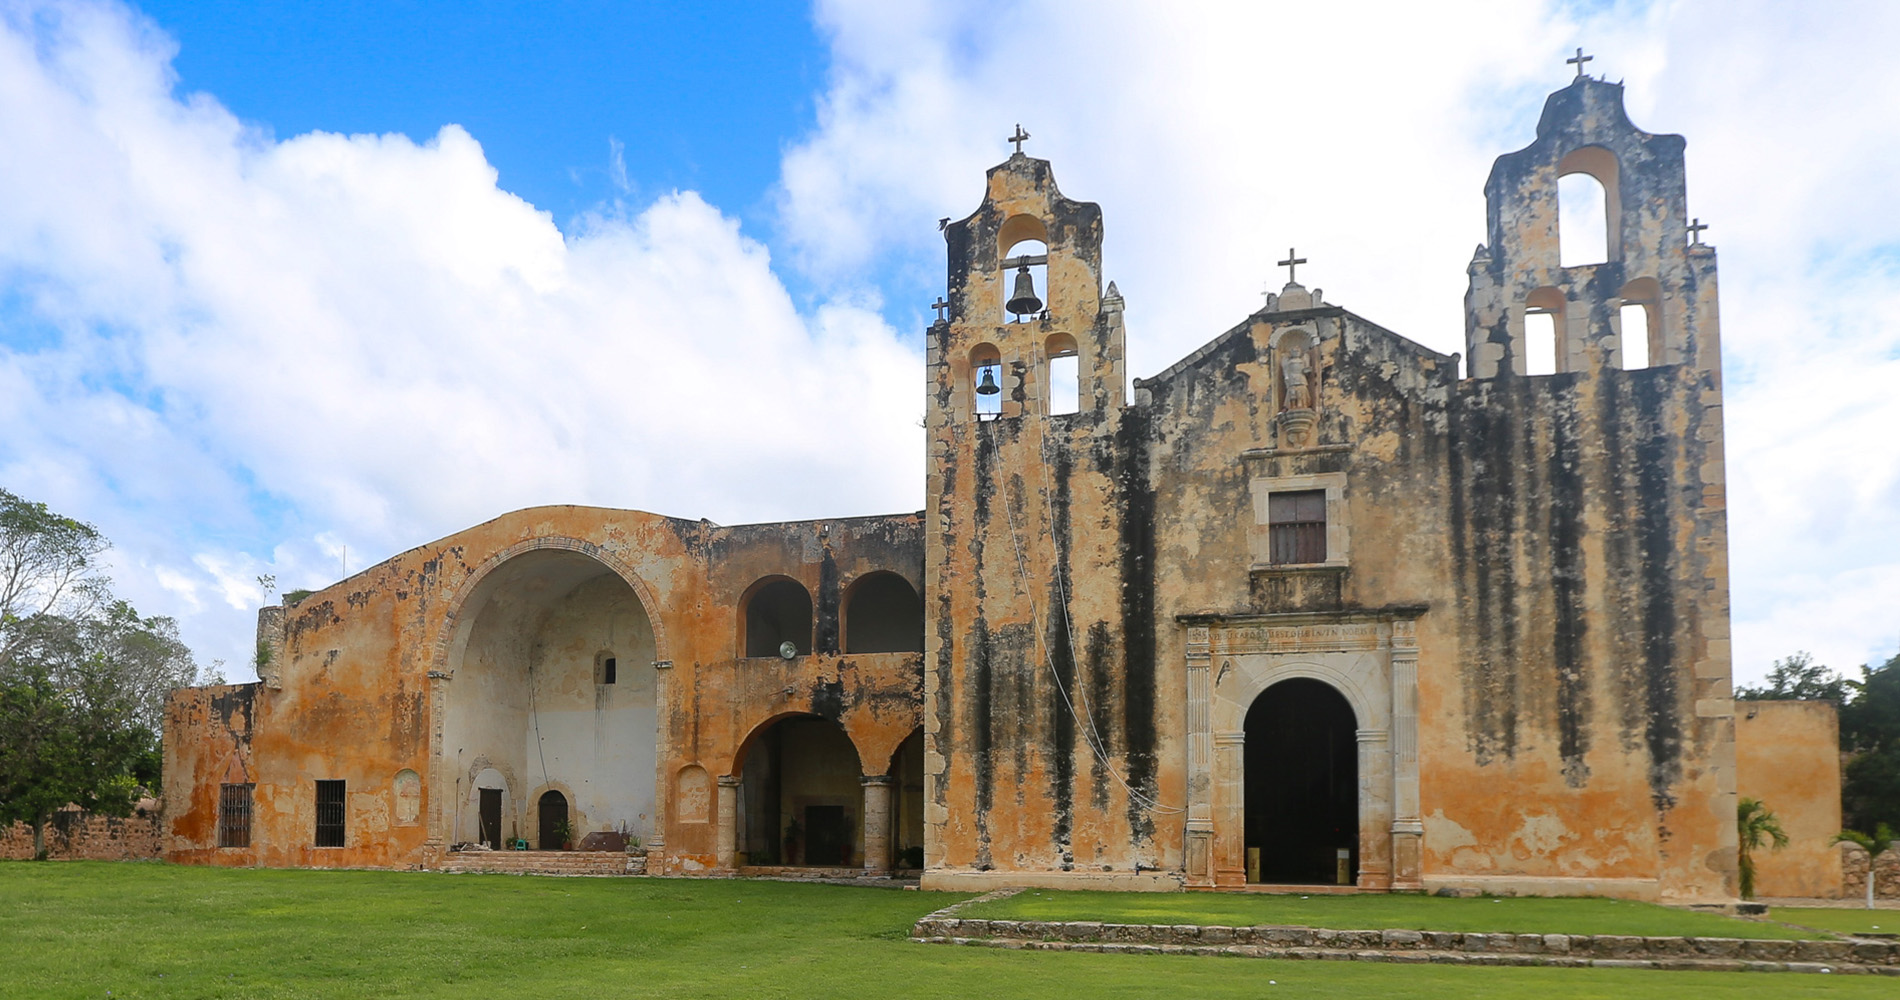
[801,796]
[985,379]
[1302,786]
[1062,374]
[1022,245]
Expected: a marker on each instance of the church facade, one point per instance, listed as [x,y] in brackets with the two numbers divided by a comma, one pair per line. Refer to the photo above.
[1312,607]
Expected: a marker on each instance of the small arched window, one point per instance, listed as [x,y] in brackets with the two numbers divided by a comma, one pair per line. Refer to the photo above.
[1064,374]
[882,614]
[986,380]
[777,611]
[606,667]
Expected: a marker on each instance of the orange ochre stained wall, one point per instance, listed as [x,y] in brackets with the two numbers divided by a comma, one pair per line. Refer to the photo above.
[1788,756]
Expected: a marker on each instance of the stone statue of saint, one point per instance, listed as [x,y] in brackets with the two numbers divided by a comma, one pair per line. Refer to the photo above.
[1293,370]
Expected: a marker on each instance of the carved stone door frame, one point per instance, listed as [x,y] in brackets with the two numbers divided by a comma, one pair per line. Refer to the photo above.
[1370,657]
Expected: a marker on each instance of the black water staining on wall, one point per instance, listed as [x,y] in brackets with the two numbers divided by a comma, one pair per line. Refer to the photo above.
[1136,501]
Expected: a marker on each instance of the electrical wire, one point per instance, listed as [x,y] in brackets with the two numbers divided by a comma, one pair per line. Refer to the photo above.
[1093,738]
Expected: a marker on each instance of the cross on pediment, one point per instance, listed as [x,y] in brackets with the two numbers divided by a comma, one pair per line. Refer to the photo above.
[1695,231]
[940,305]
[1019,138]
[1578,60]
[1292,264]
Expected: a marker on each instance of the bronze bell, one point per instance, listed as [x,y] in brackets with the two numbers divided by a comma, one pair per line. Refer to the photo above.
[1024,302]
[986,385]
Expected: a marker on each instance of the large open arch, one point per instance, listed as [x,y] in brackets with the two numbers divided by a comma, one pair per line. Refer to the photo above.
[800,797]
[1302,785]
[548,682]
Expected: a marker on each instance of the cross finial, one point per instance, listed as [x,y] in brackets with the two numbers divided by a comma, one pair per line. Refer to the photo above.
[1695,231]
[1292,264]
[1578,60]
[1019,137]
[940,305]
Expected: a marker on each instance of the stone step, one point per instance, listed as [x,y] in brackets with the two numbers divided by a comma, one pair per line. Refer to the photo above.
[1601,950]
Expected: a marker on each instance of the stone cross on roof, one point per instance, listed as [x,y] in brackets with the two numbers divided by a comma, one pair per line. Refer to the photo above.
[940,305]
[1291,263]
[1578,60]
[1019,137]
[1695,231]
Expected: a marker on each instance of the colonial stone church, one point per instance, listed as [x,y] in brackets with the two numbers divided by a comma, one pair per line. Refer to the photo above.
[1312,608]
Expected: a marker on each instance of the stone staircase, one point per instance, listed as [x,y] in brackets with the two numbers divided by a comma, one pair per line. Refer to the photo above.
[546,862]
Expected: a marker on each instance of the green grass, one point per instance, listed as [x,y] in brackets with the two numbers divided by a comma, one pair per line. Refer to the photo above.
[77,929]
[1372,913]
[1844,921]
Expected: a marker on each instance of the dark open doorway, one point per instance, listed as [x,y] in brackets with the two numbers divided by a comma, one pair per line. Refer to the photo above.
[1302,784]
[491,818]
[553,818]
[801,795]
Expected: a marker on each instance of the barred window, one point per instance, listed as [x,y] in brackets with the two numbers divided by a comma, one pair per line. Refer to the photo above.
[1296,526]
[329,814]
[234,815]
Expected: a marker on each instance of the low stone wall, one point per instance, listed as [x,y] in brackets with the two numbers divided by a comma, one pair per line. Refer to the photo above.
[1854,872]
[546,862]
[1444,947]
[80,836]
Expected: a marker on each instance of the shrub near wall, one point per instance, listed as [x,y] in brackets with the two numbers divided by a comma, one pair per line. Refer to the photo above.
[78,836]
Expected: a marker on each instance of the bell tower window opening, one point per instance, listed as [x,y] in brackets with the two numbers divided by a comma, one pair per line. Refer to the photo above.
[986,381]
[1583,221]
[1540,342]
[1635,322]
[1296,527]
[1064,374]
[1025,281]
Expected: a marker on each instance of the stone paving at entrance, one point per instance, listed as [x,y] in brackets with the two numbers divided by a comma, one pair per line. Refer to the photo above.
[1848,955]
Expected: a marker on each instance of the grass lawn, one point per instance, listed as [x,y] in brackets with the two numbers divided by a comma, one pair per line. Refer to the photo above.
[1374,913]
[79,929]
[1845,921]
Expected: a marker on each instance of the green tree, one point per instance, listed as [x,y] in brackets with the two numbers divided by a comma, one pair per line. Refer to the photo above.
[1757,827]
[1870,732]
[83,676]
[1797,677]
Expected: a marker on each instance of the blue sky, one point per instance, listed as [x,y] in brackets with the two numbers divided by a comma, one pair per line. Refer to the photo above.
[283,280]
[699,96]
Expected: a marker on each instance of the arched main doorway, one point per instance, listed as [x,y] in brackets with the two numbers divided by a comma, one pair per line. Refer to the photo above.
[1302,785]
[801,796]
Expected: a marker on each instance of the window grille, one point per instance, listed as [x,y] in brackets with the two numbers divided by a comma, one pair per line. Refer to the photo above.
[234,815]
[1296,527]
[329,814]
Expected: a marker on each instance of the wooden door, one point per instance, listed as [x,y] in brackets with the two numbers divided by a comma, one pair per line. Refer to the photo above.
[491,818]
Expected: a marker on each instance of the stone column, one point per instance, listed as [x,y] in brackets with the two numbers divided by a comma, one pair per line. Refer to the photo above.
[877,823]
[728,815]
[662,764]
[1408,829]
[1199,850]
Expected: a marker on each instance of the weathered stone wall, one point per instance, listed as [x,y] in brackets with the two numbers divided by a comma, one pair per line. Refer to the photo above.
[79,836]
[1787,754]
[1854,864]
[517,611]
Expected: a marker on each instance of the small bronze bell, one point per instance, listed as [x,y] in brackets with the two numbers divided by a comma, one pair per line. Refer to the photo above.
[986,385]
[1024,301]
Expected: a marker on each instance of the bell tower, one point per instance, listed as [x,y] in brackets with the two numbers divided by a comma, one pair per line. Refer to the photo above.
[1031,676]
[1653,258]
